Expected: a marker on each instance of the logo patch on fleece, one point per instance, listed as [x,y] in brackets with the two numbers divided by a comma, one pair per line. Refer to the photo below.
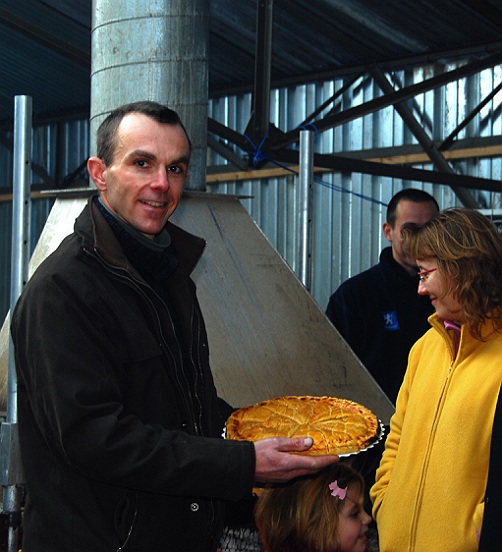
[390,321]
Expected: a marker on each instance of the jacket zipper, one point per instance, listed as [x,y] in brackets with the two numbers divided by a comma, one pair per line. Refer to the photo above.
[122,274]
[442,399]
[128,536]
[196,323]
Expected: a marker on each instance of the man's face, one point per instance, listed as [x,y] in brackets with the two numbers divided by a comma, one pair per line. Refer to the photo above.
[144,183]
[407,212]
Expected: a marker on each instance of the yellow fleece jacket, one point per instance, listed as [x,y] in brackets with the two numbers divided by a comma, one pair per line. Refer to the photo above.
[429,490]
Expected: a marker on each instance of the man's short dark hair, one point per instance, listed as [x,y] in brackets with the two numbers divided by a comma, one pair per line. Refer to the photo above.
[408,194]
[107,131]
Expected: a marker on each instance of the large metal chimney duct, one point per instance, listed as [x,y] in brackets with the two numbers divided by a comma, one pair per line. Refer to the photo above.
[153,50]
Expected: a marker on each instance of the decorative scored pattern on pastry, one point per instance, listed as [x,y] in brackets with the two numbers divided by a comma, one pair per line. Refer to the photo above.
[337,426]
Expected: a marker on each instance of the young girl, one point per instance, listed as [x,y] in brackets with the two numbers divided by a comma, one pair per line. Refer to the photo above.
[320,513]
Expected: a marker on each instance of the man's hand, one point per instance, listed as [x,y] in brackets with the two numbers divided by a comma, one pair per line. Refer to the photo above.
[275,464]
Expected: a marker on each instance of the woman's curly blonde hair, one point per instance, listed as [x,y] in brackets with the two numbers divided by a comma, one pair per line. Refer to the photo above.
[468,250]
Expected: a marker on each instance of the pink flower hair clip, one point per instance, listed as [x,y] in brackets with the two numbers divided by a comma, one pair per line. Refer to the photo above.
[337,491]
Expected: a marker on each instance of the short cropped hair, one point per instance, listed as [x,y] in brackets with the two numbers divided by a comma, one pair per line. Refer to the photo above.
[468,248]
[408,194]
[107,131]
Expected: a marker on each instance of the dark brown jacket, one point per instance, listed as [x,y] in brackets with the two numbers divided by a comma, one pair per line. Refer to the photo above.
[120,439]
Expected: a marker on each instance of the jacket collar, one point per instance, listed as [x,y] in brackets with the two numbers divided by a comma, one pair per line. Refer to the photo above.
[98,237]
[487,329]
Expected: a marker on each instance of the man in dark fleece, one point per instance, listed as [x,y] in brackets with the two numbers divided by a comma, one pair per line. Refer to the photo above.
[379,312]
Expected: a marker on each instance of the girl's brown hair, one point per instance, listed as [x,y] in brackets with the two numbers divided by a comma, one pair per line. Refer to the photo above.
[302,515]
[468,250]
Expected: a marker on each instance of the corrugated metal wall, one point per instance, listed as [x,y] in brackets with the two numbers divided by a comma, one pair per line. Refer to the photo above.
[348,209]
[59,148]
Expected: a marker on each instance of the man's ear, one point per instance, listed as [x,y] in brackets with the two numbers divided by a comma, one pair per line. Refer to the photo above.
[387,231]
[96,169]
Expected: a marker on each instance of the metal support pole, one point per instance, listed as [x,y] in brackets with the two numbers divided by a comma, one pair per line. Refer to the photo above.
[263,66]
[9,443]
[306,180]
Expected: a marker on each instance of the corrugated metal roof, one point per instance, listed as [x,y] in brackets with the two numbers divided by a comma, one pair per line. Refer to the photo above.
[330,36]
[45,44]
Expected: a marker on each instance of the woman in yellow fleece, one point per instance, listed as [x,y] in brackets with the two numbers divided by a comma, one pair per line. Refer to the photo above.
[430,486]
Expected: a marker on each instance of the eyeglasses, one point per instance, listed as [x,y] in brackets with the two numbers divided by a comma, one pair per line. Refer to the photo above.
[424,275]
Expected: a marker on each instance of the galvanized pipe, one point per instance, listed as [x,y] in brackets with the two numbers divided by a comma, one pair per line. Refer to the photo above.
[20,222]
[10,458]
[153,50]
[306,174]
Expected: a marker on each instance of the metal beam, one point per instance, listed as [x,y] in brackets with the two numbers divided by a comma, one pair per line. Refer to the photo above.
[329,101]
[423,139]
[275,145]
[227,153]
[482,147]
[351,164]
[353,113]
[228,134]
[345,164]
[448,142]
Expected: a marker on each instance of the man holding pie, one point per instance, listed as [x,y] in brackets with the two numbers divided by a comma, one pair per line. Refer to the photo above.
[119,422]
